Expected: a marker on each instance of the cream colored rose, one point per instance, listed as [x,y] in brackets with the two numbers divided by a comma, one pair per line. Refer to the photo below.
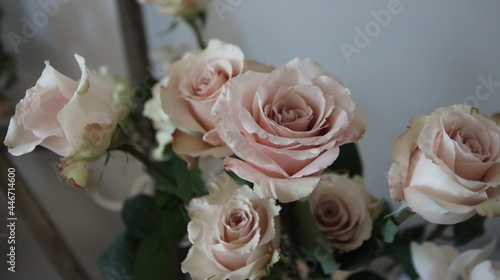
[177,7]
[433,262]
[195,84]
[73,119]
[286,127]
[161,121]
[343,210]
[233,232]
[447,165]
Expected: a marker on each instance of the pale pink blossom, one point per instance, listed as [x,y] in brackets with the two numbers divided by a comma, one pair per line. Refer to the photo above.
[73,119]
[234,233]
[286,126]
[447,165]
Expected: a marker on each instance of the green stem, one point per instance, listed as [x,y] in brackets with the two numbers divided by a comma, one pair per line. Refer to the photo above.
[127,148]
[404,215]
[193,23]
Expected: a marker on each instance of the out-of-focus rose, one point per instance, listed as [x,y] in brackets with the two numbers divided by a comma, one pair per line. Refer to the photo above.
[161,121]
[286,127]
[447,165]
[177,7]
[194,86]
[233,232]
[343,210]
[73,119]
[433,262]
[486,270]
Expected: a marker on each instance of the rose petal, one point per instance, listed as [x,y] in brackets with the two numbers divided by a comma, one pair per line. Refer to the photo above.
[19,140]
[430,210]
[486,270]
[466,261]
[431,180]
[186,144]
[491,207]
[284,190]
[404,146]
[430,261]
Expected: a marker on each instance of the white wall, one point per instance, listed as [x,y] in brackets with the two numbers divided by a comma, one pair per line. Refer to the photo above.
[427,55]
[430,54]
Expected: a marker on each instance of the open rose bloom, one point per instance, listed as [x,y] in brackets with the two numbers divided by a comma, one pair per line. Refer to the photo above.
[447,165]
[193,88]
[233,232]
[286,127]
[344,210]
[433,262]
[73,119]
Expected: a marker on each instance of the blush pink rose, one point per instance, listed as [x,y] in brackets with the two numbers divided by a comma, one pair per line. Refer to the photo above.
[344,210]
[447,165]
[434,262]
[194,86]
[233,232]
[73,119]
[286,127]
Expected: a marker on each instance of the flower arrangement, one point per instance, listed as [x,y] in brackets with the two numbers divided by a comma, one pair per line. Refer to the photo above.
[257,174]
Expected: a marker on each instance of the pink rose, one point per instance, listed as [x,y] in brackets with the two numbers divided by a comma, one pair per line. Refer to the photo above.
[73,119]
[344,210]
[447,165]
[286,127]
[191,92]
[233,233]
[177,7]
[433,262]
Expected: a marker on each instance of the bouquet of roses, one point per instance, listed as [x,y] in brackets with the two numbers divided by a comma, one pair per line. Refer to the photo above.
[257,174]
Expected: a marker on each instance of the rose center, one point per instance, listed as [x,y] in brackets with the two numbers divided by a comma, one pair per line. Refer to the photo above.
[208,83]
[296,119]
[237,219]
[468,140]
[329,212]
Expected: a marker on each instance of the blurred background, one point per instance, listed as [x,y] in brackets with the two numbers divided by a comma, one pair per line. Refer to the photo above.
[400,58]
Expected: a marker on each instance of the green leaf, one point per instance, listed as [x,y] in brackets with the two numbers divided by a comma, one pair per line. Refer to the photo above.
[400,253]
[139,214]
[189,183]
[389,231]
[117,262]
[466,231]
[154,258]
[311,240]
[348,161]
[173,224]
[153,261]
[164,199]
[365,275]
